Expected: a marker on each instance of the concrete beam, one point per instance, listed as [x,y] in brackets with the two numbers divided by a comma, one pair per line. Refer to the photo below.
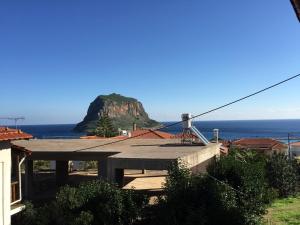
[62,172]
[119,177]
[102,169]
[75,156]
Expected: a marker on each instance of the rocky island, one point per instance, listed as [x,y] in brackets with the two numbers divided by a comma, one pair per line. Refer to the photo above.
[123,112]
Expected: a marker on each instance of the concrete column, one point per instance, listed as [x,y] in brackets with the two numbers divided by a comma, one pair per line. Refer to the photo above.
[119,177]
[28,179]
[102,169]
[62,172]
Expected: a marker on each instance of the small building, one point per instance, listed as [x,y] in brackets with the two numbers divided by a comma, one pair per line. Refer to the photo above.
[11,158]
[295,149]
[267,146]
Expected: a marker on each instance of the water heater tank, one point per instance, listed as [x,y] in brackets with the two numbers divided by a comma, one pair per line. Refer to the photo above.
[186,120]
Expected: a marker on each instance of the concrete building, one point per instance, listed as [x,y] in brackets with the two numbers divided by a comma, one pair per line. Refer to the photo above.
[267,146]
[136,134]
[11,158]
[134,154]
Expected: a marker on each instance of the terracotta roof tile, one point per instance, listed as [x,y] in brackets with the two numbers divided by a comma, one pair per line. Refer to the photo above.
[8,134]
[151,134]
[139,134]
[296,144]
[259,143]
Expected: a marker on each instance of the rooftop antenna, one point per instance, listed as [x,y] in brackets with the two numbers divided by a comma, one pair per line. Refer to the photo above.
[16,119]
[189,130]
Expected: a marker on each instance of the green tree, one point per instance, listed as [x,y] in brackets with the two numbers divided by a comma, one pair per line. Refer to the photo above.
[282,174]
[195,199]
[105,127]
[245,171]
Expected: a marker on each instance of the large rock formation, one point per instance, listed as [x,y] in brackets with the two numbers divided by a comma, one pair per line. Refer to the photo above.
[123,112]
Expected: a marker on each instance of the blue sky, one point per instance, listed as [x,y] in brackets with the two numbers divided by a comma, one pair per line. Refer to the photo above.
[174,56]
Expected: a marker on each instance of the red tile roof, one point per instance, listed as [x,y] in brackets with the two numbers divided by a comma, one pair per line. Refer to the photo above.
[139,134]
[259,143]
[296,144]
[151,134]
[8,134]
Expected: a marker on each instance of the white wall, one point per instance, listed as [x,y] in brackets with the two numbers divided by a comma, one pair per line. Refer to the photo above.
[5,182]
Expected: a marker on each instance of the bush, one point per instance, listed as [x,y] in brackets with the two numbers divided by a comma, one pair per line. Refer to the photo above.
[41,165]
[245,172]
[282,174]
[202,201]
[235,194]
[91,203]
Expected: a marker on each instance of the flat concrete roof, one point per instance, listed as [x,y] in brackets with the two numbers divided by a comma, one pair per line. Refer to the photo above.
[149,154]
[130,149]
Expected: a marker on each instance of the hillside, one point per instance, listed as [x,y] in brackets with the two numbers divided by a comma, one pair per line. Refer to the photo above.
[123,111]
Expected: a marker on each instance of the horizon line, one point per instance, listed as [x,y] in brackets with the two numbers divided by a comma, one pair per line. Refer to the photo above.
[170,121]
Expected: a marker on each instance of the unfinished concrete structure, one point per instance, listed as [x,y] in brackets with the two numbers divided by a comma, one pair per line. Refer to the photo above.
[138,154]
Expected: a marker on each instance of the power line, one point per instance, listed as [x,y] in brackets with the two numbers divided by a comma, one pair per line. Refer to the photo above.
[226,184]
[202,114]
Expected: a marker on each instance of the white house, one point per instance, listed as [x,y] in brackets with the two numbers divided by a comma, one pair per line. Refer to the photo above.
[11,158]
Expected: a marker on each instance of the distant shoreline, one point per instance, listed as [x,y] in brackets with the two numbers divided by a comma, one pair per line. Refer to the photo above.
[229,129]
[244,120]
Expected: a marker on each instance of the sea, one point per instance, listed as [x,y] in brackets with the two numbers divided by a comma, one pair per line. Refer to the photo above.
[229,130]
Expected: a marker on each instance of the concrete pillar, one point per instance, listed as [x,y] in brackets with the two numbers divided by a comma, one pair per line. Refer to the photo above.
[62,172]
[119,177]
[102,169]
[28,179]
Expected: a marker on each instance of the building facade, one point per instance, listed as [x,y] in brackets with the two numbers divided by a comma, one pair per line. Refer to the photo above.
[11,158]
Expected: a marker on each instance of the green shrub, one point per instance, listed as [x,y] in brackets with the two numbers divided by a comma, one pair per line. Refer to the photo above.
[92,203]
[245,172]
[282,174]
[41,165]
[201,199]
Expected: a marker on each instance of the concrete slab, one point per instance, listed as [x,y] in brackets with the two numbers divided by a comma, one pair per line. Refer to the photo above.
[141,154]
[134,148]
[146,183]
